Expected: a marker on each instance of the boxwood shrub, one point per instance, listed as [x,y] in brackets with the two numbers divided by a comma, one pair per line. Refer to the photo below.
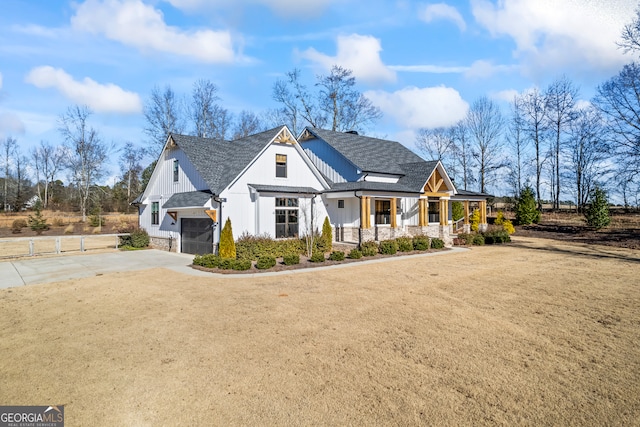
[226,263]
[241,264]
[355,254]
[405,244]
[207,260]
[496,237]
[336,256]
[291,259]
[369,248]
[478,240]
[253,247]
[317,256]
[265,262]
[421,243]
[437,243]
[388,247]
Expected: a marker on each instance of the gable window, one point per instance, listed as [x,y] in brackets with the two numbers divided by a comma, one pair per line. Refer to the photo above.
[155,213]
[175,170]
[286,217]
[340,204]
[281,165]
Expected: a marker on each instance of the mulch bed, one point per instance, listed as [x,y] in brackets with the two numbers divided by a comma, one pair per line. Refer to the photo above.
[617,237]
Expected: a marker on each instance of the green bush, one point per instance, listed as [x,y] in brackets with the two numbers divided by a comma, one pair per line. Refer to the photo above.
[207,260]
[421,243]
[388,247]
[17,225]
[265,262]
[478,240]
[597,213]
[336,256]
[457,211]
[291,259]
[227,245]
[226,263]
[369,248]
[437,243]
[355,254]
[253,247]
[405,244]
[37,222]
[526,209]
[496,237]
[317,256]
[465,238]
[241,264]
[138,238]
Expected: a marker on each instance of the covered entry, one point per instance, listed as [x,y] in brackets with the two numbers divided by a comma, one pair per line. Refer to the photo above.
[197,236]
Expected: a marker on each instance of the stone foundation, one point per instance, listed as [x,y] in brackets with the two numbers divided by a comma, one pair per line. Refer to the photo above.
[386,233]
[162,243]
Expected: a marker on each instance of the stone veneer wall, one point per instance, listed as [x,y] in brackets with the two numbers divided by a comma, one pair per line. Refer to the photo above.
[162,243]
[386,233]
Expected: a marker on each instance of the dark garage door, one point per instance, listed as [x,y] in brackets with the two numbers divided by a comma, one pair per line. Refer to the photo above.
[197,235]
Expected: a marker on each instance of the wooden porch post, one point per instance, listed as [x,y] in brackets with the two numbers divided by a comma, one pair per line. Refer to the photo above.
[393,213]
[466,212]
[423,211]
[483,212]
[363,212]
[444,211]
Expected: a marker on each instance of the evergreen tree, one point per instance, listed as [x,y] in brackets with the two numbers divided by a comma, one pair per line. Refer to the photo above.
[457,210]
[597,213]
[227,245]
[326,234]
[37,222]
[526,209]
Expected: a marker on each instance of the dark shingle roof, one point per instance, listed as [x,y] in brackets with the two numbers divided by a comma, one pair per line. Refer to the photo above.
[416,174]
[218,161]
[369,154]
[284,189]
[187,199]
[371,186]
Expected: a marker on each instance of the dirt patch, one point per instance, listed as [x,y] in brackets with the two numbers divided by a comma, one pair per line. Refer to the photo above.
[539,332]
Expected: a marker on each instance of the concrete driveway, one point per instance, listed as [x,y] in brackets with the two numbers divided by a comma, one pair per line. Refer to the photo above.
[31,271]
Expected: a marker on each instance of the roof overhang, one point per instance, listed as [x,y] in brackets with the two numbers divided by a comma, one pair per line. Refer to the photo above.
[188,200]
[283,189]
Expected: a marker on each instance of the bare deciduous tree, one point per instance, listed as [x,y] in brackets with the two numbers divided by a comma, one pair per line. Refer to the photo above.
[631,35]
[536,129]
[435,144]
[131,168]
[248,123]
[485,124]
[8,150]
[86,153]
[518,143]
[202,108]
[464,154]
[164,115]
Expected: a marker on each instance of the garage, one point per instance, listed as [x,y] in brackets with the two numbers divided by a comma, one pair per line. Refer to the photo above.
[197,236]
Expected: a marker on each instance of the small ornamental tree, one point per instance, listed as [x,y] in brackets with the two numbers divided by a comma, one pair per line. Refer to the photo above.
[597,213]
[326,234]
[505,223]
[474,219]
[526,210]
[227,245]
[457,211]
[37,222]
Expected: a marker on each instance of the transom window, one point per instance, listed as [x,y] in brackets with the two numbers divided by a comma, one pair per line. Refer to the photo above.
[286,217]
[175,170]
[155,213]
[281,165]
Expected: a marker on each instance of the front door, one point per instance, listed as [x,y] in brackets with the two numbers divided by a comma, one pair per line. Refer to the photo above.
[197,236]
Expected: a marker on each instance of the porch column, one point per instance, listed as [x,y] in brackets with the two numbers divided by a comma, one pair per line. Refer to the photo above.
[483,212]
[466,212]
[393,213]
[365,212]
[444,211]
[422,212]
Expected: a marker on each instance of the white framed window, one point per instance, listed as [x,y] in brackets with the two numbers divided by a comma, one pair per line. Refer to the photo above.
[281,165]
[155,213]
[176,170]
[286,217]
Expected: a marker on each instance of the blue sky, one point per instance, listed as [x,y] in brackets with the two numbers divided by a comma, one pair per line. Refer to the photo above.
[422,63]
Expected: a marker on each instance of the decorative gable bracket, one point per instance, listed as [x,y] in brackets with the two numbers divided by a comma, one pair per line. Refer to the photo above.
[285,137]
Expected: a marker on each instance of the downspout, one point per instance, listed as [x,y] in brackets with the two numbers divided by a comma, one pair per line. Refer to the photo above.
[355,193]
[219,201]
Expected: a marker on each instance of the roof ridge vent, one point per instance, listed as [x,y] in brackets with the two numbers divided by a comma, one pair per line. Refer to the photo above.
[352,132]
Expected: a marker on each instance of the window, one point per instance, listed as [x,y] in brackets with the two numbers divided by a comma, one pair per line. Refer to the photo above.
[281,165]
[155,213]
[383,211]
[434,211]
[286,218]
[175,170]
[340,204]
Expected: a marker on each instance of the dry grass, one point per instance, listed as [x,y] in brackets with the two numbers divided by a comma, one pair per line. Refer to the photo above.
[489,336]
[58,218]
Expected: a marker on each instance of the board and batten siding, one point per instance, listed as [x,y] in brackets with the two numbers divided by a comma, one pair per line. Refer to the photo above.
[255,213]
[330,162]
[163,186]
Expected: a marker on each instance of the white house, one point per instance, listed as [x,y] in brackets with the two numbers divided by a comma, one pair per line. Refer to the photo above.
[272,183]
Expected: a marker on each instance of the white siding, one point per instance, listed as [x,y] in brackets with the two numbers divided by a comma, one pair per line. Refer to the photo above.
[381,178]
[349,216]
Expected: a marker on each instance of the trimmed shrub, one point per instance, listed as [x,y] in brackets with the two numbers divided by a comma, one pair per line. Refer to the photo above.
[227,245]
[355,254]
[388,247]
[437,243]
[465,238]
[336,256]
[369,248]
[226,263]
[405,244]
[265,262]
[421,243]
[317,257]
[327,237]
[496,237]
[207,260]
[241,264]
[139,238]
[253,247]
[597,213]
[291,259]
[17,225]
[478,240]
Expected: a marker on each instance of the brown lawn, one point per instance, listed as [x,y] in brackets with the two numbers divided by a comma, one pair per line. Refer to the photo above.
[537,333]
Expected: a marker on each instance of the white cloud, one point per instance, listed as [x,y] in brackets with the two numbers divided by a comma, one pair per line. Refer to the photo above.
[136,24]
[507,95]
[436,11]
[10,124]
[482,69]
[433,69]
[551,34]
[361,54]
[99,97]
[287,8]
[416,108]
